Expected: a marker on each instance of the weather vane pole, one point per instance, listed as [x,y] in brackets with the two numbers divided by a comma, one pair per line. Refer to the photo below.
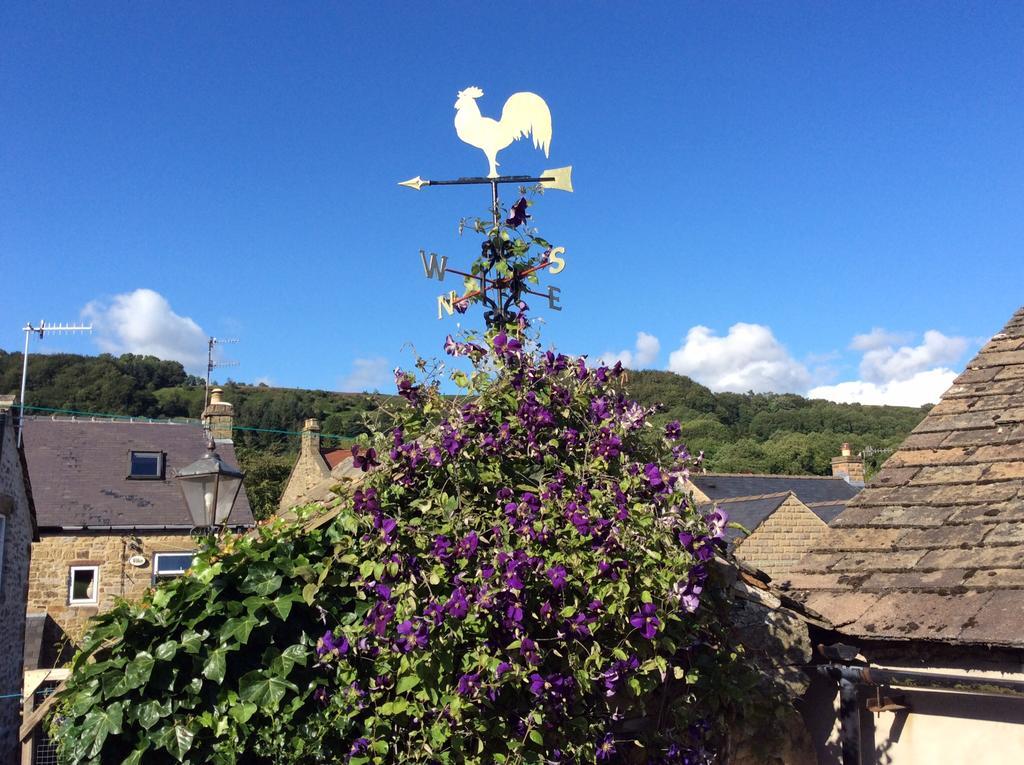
[523,114]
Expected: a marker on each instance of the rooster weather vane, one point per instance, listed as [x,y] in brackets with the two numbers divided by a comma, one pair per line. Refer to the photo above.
[524,114]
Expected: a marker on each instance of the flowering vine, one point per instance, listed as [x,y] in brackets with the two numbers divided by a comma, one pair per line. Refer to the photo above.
[521,577]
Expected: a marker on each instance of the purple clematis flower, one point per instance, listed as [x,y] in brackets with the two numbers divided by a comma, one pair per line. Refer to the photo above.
[646,620]
[468,683]
[518,215]
[717,520]
[329,644]
[364,462]
[653,475]
[606,748]
[557,575]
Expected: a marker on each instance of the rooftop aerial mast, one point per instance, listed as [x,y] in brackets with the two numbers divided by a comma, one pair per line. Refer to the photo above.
[42,330]
[211,364]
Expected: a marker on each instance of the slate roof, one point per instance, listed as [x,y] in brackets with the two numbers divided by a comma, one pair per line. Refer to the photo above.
[809,489]
[749,512]
[78,471]
[933,549]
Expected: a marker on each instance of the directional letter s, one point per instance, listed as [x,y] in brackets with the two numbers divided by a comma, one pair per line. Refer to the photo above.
[557,263]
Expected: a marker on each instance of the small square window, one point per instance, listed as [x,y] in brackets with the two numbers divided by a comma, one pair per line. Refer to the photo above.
[147,465]
[171,565]
[85,582]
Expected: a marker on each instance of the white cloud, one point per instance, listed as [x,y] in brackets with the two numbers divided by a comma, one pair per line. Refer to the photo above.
[878,338]
[368,375]
[886,363]
[143,322]
[904,376]
[922,388]
[647,348]
[747,358]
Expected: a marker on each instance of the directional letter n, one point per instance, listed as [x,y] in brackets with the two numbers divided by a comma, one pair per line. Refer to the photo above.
[433,269]
[446,303]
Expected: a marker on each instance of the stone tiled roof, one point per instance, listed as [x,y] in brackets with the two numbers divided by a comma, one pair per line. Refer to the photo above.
[809,488]
[933,549]
[78,468]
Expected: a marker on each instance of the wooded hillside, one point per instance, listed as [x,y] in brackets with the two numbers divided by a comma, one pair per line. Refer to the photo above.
[762,432]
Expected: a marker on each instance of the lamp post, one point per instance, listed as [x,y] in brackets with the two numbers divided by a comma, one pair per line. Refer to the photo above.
[210,488]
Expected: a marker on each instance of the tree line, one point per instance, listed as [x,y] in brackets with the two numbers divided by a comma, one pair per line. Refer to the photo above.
[738,432]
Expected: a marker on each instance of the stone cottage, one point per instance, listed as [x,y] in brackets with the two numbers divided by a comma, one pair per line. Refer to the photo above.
[112,520]
[17,531]
[785,514]
[316,469]
[923,575]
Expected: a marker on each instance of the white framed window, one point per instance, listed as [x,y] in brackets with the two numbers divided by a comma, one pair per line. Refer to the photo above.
[146,466]
[168,565]
[84,585]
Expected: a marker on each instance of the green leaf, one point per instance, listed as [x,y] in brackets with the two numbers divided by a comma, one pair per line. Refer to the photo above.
[406,683]
[139,669]
[165,651]
[243,711]
[309,592]
[283,606]
[536,737]
[149,713]
[135,758]
[179,741]
[261,579]
[265,692]
[99,723]
[216,666]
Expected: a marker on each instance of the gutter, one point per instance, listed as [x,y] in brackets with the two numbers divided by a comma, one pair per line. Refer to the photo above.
[848,677]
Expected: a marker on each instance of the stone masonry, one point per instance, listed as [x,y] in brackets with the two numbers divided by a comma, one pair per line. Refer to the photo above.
[847,466]
[310,468]
[219,417]
[53,557]
[783,538]
[16,511]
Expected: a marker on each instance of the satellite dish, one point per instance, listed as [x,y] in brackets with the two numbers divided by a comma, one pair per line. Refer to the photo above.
[137,560]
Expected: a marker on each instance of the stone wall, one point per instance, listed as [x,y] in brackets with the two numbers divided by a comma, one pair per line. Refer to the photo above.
[783,538]
[17,540]
[55,554]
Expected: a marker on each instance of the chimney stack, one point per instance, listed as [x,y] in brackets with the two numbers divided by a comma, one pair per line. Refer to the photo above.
[310,469]
[848,467]
[310,446]
[219,417]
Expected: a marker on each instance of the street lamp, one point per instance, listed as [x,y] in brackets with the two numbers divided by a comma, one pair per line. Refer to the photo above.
[210,488]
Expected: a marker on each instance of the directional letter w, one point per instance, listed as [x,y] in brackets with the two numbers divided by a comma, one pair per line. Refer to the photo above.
[433,269]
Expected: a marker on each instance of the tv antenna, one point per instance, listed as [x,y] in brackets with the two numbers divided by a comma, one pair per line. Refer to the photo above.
[42,330]
[211,364]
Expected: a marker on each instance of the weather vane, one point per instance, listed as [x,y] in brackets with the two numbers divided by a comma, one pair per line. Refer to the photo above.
[494,281]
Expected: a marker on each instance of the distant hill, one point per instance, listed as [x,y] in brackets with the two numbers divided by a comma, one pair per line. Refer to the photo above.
[772,432]
[748,432]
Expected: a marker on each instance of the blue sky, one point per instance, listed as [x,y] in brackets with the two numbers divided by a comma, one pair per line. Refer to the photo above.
[779,196]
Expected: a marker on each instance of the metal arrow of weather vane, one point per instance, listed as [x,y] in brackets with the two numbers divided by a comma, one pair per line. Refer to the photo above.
[524,114]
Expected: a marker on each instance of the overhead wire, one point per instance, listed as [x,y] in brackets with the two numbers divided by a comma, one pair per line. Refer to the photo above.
[176,421]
